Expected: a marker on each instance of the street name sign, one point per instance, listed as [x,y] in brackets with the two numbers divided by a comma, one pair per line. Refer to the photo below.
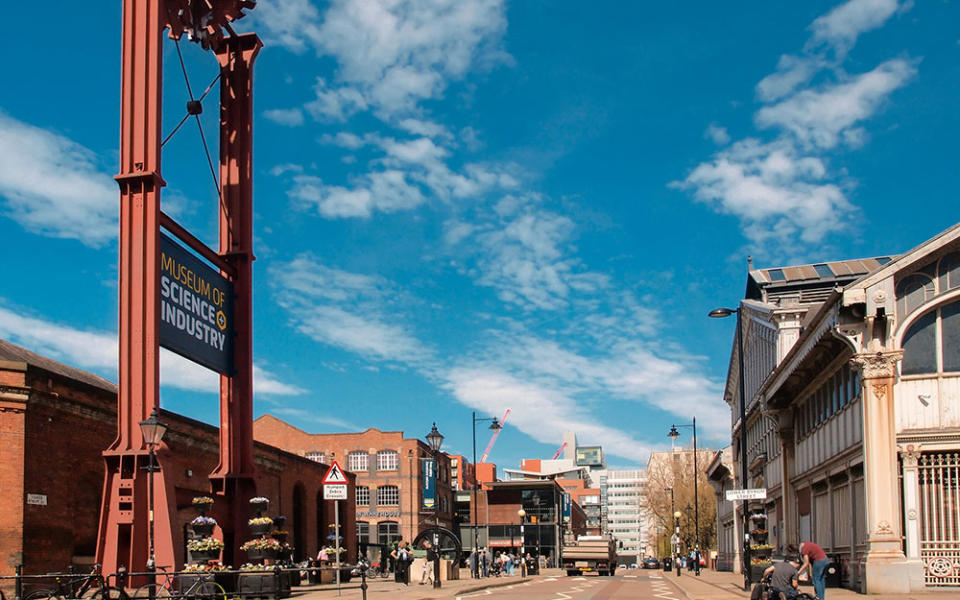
[747,494]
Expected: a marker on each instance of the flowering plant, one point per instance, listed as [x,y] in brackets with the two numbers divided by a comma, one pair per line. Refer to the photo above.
[202,568]
[761,547]
[259,500]
[280,532]
[205,545]
[261,544]
[760,561]
[329,551]
[205,500]
[260,521]
[253,567]
[204,521]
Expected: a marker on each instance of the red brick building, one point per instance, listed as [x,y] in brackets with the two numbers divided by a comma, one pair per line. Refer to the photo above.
[56,420]
[389,470]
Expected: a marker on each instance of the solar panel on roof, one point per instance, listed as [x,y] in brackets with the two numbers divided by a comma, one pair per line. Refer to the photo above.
[823,270]
[776,275]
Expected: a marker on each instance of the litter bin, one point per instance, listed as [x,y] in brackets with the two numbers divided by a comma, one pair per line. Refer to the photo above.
[667,564]
[833,572]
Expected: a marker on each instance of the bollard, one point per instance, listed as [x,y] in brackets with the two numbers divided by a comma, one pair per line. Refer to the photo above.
[18,583]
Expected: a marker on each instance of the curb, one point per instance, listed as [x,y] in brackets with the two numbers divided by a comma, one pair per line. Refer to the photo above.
[496,584]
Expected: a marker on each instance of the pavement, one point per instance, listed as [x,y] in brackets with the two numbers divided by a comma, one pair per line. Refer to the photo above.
[388,588]
[723,585]
[710,585]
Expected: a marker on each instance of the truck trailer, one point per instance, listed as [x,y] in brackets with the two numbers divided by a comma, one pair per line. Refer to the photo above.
[590,555]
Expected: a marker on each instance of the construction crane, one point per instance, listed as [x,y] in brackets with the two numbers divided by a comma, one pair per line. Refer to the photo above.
[493,438]
[556,454]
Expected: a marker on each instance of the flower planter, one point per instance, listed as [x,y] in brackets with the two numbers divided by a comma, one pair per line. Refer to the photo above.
[202,529]
[280,536]
[261,553]
[259,529]
[257,585]
[204,555]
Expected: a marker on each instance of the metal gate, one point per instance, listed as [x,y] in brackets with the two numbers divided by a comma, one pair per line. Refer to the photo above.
[939,477]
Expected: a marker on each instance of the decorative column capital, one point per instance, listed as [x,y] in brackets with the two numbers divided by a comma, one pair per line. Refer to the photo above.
[877,365]
[910,454]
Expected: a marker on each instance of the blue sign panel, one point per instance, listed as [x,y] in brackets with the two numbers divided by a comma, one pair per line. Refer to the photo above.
[566,507]
[429,483]
[196,308]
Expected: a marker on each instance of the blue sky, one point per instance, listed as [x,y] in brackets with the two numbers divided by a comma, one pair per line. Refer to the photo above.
[487,205]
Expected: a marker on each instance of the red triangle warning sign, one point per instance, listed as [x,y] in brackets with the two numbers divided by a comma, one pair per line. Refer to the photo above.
[335,475]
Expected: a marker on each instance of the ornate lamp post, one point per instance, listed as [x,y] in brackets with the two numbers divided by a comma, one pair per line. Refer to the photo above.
[719,313]
[523,559]
[673,435]
[152,429]
[435,440]
[494,425]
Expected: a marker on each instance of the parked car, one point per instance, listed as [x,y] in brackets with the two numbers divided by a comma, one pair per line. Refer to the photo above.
[633,565]
[651,563]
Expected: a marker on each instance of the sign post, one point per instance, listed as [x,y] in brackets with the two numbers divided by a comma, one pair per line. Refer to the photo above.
[335,488]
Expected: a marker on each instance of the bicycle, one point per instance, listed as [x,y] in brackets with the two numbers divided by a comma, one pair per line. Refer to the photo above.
[203,587]
[764,591]
[374,571]
[69,586]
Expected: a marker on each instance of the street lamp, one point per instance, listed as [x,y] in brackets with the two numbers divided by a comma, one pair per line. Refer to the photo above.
[673,435]
[719,313]
[523,560]
[676,539]
[152,429]
[435,440]
[494,426]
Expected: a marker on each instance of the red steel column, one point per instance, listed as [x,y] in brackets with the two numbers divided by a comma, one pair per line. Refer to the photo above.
[123,535]
[233,477]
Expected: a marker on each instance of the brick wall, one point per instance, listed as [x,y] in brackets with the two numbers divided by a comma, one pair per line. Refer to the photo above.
[409,514]
[54,430]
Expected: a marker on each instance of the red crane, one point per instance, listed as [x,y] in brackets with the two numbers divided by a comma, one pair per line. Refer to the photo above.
[556,454]
[493,439]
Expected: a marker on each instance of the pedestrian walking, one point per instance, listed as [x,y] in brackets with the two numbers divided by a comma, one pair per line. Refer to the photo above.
[815,561]
[401,559]
[473,564]
[485,562]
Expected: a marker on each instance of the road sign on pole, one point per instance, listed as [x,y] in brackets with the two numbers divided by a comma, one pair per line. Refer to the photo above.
[747,494]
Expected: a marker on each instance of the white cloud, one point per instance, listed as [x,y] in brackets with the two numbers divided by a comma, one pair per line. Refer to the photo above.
[542,413]
[384,191]
[53,186]
[843,25]
[392,53]
[334,104]
[776,192]
[291,117]
[344,310]
[782,190]
[717,134]
[98,351]
[425,128]
[824,117]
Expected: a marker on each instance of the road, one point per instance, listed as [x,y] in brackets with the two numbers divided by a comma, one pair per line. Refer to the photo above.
[625,585]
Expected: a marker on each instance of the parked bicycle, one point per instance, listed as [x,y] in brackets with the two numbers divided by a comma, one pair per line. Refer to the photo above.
[375,570]
[202,587]
[69,586]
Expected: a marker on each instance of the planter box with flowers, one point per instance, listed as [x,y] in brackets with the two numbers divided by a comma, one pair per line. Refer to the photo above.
[202,504]
[204,549]
[261,548]
[203,526]
[259,503]
[256,582]
[260,525]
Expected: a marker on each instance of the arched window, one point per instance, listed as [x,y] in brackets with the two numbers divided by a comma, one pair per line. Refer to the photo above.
[358,462]
[912,292]
[388,532]
[949,272]
[387,460]
[363,532]
[932,343]
[363,495]
[388,495]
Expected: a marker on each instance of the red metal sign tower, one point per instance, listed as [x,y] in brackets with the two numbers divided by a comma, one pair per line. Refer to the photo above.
[125,514]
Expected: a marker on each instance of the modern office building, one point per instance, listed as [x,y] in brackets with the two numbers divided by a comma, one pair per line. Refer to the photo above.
[625,510]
